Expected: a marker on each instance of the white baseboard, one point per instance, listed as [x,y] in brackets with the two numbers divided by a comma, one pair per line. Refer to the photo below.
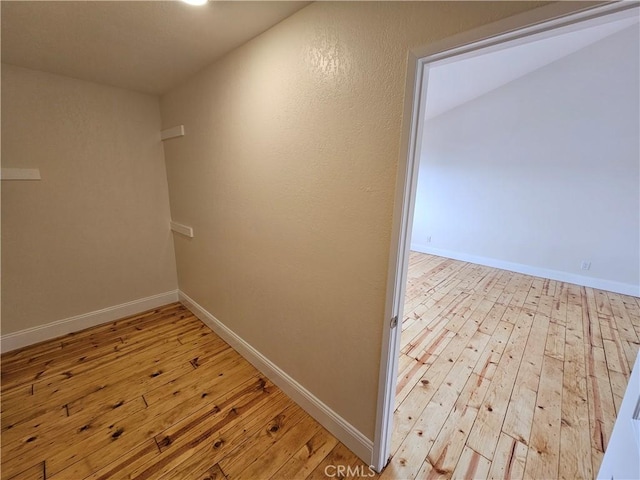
[338,426]
[608,285]
[29,336]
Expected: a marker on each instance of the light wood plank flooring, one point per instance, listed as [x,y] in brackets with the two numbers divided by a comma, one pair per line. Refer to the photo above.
[508,376]
[157,395]
[502,376]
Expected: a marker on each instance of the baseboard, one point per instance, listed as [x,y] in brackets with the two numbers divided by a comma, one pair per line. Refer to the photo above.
[29,336]
[608,285]
[338,426]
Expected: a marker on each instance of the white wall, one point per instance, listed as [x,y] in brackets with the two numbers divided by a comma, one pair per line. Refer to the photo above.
[543,172]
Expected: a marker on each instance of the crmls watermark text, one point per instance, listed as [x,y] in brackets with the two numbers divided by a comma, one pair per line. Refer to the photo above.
[347,471]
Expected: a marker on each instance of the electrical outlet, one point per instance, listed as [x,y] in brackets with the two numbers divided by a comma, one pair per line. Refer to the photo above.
[585,265]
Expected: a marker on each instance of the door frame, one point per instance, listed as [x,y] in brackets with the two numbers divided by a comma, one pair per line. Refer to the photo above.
[538,21]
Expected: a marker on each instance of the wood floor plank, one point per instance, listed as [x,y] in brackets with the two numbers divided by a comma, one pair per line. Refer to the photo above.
[416,445]
[631,310]
[475,309]
[35,472]
[191,384]
[416,370]
[130,430]
[603,304]
[509,290]
[486,430]
[623,317]
[115,361]
[120,391]
[560,301]
[618,383]
[591,322]
[124,324]
[201,455]
[601,404]
[204,422]
[471,465]
[615,357]
[489,359]
[523,285]
[235,462]
[405,362]
[607,327]
[338,463]
[493,317]
[575,440]
[556,339]
[439,310]
[519,416]
[426,387]
[25,355]
[408,410]
[36,349]
[544,450]
[142,454]
[449,445]
[61,388]
[97,347]
[308,457]
[532,300]
[278,451]
[203,471]
[509,459]
[86,340]
[631,351]
[31,424]
[150,369]
[229,439]
[69,431]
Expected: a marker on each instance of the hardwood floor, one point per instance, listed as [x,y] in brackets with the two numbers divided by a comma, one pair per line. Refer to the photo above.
[157,395]
[505,375]
[502,376]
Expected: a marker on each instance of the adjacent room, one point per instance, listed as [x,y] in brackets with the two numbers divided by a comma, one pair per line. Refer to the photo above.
[521,302]
[199,208]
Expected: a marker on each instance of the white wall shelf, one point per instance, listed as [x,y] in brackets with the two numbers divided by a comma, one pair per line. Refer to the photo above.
[173,132]
[181,229]
[20,174]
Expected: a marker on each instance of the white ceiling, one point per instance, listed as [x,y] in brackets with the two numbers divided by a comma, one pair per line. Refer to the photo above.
[148,46]
[454,82]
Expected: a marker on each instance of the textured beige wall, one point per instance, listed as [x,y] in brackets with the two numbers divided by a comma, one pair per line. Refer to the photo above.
[287,174]
[93,233]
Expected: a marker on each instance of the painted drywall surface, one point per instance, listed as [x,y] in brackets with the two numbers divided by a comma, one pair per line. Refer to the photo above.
[94,232]
[543,171]
[146,46]
[287,174]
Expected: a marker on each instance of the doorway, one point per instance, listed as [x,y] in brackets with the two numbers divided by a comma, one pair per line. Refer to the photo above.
[425,74]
